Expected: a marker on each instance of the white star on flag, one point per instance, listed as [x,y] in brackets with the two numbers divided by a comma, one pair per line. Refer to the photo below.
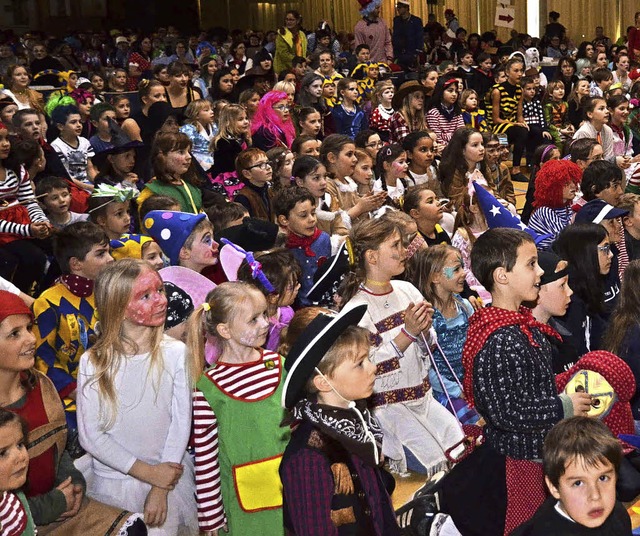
[495,210]
[522,226]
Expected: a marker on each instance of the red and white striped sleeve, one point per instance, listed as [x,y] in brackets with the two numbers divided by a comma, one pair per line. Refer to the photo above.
[211,514]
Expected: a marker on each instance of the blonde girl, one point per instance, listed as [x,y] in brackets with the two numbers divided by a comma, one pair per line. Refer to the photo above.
[199,127]
[287,87]
[233,137]
[440,275]
[409,103]
[382,105]
[556,113]
[118,81]
[237,415]
[398,318]
[133,375]
[136,126]
[337,153]
[174,175]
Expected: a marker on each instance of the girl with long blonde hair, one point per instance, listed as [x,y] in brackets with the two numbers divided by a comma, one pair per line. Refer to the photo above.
[134,375]
[237,414]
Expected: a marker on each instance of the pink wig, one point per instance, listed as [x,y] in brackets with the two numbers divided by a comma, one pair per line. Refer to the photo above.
[266,117]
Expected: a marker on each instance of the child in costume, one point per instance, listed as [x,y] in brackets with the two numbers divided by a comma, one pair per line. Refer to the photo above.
[65,313]
[517,397]
[109,208]
[133,375]
[472,116]
[237,416]
[556,113]
[439,273]
[15,516]
[382,109]
[186,239]
[418,432]
[135,246]
[331,466]
[295,210]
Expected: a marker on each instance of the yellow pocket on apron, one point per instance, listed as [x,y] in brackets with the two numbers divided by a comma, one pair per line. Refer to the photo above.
[258,484]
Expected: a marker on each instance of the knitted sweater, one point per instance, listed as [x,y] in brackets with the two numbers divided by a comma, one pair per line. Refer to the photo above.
[515,392]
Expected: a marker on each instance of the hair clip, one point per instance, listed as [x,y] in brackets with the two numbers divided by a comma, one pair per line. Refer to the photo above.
[206,307]
[256,267]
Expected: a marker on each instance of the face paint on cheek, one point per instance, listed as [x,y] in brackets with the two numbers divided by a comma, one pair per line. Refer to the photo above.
[255,336]
[449,272]
[399,167]
[147,307]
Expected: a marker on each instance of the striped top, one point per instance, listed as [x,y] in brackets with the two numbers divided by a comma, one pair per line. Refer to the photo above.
[246,381]
[443,127]
[13,518]
[14,188]
[545,220]
[510,97]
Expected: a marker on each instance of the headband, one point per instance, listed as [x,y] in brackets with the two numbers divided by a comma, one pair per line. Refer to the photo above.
[2,125]
[547,149]
[256,267]
[450,81]
[119,195]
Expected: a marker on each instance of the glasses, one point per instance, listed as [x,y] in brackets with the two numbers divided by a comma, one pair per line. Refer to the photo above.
[606,249]
[262,165]
[374,144]
[282,108]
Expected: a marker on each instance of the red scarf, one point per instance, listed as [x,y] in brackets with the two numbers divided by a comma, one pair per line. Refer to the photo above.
[304,242]
[78,285]
[483,323]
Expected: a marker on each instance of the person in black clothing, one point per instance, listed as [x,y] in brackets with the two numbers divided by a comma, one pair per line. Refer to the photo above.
[580,450]
[43,61]
[554,28]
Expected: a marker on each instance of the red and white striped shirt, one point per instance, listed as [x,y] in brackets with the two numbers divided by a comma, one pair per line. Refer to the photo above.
[246,381]
[13,518]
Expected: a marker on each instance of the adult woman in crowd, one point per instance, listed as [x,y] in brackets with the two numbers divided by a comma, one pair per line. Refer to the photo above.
[149,92]
[139,61]
[566,72]
[290,41]
[179,91]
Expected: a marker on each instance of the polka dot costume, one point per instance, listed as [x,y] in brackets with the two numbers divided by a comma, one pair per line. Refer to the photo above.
[171,229]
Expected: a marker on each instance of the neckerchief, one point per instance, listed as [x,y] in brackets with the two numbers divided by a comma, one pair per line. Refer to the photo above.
[78,285]
[483,323]
[304,242]
[448,113]
[344,426]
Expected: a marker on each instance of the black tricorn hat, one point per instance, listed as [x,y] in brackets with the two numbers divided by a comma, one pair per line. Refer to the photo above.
[311,346]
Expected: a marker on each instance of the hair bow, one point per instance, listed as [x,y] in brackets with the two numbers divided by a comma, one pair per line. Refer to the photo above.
[256,267]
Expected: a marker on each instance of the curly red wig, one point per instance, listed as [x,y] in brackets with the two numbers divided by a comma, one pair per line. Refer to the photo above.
[551,179]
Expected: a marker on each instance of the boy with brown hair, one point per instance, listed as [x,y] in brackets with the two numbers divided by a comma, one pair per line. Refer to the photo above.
[581,462]
[631,223]
[508,371]
[254,170]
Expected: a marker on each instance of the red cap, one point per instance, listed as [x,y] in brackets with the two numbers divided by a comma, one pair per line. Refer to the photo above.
[10,304]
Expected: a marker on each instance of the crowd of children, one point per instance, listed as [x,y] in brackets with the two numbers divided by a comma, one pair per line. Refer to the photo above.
[238,300]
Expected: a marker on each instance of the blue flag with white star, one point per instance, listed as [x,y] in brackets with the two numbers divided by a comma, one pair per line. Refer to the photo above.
[498,215]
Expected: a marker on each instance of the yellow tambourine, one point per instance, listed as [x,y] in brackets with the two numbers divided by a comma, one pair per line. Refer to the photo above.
[602,394]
